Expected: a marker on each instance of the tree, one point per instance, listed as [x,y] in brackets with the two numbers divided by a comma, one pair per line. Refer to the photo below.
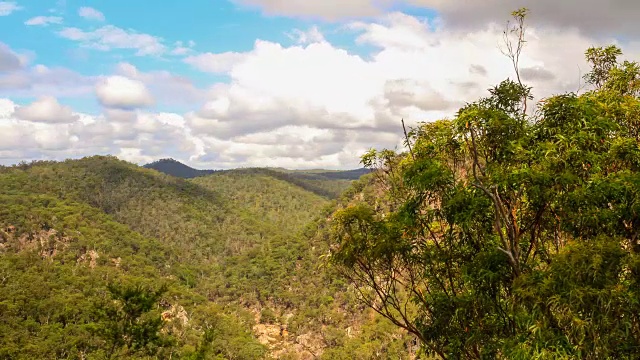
[130,325]
[502,235]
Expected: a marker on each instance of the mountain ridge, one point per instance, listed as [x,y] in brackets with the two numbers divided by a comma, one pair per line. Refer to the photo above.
[326,183]
[177,168]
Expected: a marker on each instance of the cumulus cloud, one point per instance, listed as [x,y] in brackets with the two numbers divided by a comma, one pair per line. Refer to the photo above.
[46,110]
[53,139]
[138,136]
[403,93]
[111,37]
[306,37]
[40,80]
[43,20]
[420,71]
[91,13]
[164,86]
[321,85]
[215,63]
[16,137]
[134,135]
[34,137]
[8,7]
[122,92]
[7,108]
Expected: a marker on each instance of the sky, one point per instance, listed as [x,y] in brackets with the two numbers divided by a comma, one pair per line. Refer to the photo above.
[299,84]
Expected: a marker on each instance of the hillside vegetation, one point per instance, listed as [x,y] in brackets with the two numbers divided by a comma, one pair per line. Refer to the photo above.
[230,261]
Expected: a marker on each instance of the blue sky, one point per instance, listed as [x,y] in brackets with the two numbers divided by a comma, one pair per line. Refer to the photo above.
[299,84]
[214,26]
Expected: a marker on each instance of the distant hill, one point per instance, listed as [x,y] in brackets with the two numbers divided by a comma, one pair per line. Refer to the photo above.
[354,174]
[176,168]
[326,183]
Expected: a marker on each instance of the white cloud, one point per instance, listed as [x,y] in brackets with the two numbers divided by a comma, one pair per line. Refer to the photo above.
[312,35]
[215,63]
[131,134]
[41,134]
[181,48]
[94,135]
[111,37]
[16,138]
[402,93]
[8,7]
[43,20]
[122,92]
[53,138]
[46,110]
[314,75]
[40,80]
[278,96]
[7,107]
[165,87]
[91,13]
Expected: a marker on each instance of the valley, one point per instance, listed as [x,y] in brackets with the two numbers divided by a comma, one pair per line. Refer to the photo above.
[241,253]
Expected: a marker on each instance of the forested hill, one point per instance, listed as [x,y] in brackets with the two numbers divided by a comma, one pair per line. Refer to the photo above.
[229,261]
[176,168]
[326,183]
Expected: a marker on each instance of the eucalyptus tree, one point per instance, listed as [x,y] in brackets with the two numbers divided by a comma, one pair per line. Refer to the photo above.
[505,234]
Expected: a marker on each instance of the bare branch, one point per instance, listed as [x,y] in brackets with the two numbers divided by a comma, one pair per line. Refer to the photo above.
[406,137]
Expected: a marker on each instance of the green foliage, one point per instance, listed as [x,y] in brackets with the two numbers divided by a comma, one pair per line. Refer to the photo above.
[129,324]
[55,259]
[223,244]
[226,336]
[501,235]
[326,184]
[603,60]
[267,316]
[378,339]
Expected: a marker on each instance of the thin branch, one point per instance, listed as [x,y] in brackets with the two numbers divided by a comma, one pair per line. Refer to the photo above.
[406,137]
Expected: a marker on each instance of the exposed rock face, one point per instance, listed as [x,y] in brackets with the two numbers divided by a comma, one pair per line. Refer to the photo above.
[280,343]
[176,312]
[116,261]
[268,334]
[48,242]
[90,257]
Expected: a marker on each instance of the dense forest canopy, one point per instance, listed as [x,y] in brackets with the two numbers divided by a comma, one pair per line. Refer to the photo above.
[507,233]
[100,258]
